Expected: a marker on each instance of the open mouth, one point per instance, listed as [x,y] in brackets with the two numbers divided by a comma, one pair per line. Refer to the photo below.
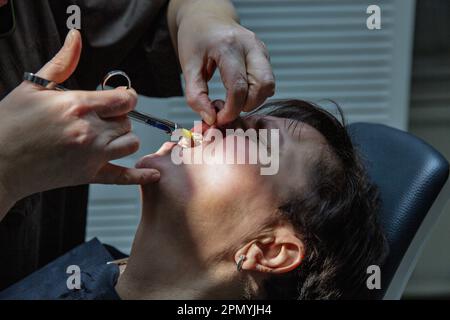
[199,137]
[195,140]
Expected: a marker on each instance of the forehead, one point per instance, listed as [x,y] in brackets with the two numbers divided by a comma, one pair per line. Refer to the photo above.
[291,130]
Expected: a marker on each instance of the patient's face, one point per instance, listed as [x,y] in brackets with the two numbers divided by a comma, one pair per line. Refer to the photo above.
[221,203]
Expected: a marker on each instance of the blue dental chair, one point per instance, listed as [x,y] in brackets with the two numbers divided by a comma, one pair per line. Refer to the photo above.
[411,176]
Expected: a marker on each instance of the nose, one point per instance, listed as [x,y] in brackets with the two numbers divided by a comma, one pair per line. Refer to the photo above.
[145,161]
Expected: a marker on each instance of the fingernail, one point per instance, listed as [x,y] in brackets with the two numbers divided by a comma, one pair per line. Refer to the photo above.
[70,37]
[207,117]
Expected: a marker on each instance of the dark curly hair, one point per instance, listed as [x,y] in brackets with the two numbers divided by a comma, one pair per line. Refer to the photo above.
[336,218]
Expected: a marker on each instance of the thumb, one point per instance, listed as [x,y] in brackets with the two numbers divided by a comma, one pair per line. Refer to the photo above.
[64,63]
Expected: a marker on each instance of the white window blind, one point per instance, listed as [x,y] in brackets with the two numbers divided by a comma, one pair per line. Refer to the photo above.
[319,50]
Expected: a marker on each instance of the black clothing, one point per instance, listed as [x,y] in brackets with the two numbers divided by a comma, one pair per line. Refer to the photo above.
[130,35]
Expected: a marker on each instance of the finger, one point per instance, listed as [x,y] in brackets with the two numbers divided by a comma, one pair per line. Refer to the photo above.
[260,77]
[234,77]
[218,104]
[108,103]
[210,69]
[201,127]
[113,128]
[122,146]
[64,63]
[197,91]
[113,174]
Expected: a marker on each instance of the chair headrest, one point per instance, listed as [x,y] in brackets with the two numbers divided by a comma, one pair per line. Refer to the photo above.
[409,174]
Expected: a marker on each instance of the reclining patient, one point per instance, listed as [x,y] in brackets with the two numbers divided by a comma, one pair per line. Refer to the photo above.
[218,230]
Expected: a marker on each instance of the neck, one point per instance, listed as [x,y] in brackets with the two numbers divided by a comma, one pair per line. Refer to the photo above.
[164,265]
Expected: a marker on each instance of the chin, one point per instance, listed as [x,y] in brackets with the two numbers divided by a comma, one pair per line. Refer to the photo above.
[172,188]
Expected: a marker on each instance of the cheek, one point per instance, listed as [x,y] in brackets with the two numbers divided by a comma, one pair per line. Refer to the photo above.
[232,203]
[219,186]
[233,149]
[220,180]
[222,207]
[226,173]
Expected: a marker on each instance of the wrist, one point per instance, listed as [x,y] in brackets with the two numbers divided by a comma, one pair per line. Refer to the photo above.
[197,10]
[217,9]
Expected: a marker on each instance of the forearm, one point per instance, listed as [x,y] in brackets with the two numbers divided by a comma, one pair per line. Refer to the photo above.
[180,9]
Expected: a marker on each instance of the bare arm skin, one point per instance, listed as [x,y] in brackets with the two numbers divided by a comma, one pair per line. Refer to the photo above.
[207,35]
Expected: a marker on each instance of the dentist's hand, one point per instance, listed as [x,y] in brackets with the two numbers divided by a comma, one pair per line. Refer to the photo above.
[207,36]
[52,139]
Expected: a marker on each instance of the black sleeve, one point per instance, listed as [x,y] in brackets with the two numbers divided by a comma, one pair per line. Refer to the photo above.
[131,36]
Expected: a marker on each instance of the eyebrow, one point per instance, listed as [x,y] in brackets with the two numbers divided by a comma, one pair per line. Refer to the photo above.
[288,123]
[291,125]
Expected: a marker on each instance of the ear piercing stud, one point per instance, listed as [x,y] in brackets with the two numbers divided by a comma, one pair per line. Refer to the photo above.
[240,262]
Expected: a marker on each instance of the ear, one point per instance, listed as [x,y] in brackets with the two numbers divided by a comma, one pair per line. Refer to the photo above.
[279,252]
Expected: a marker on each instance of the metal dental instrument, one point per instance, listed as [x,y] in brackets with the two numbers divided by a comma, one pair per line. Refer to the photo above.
[168,126]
